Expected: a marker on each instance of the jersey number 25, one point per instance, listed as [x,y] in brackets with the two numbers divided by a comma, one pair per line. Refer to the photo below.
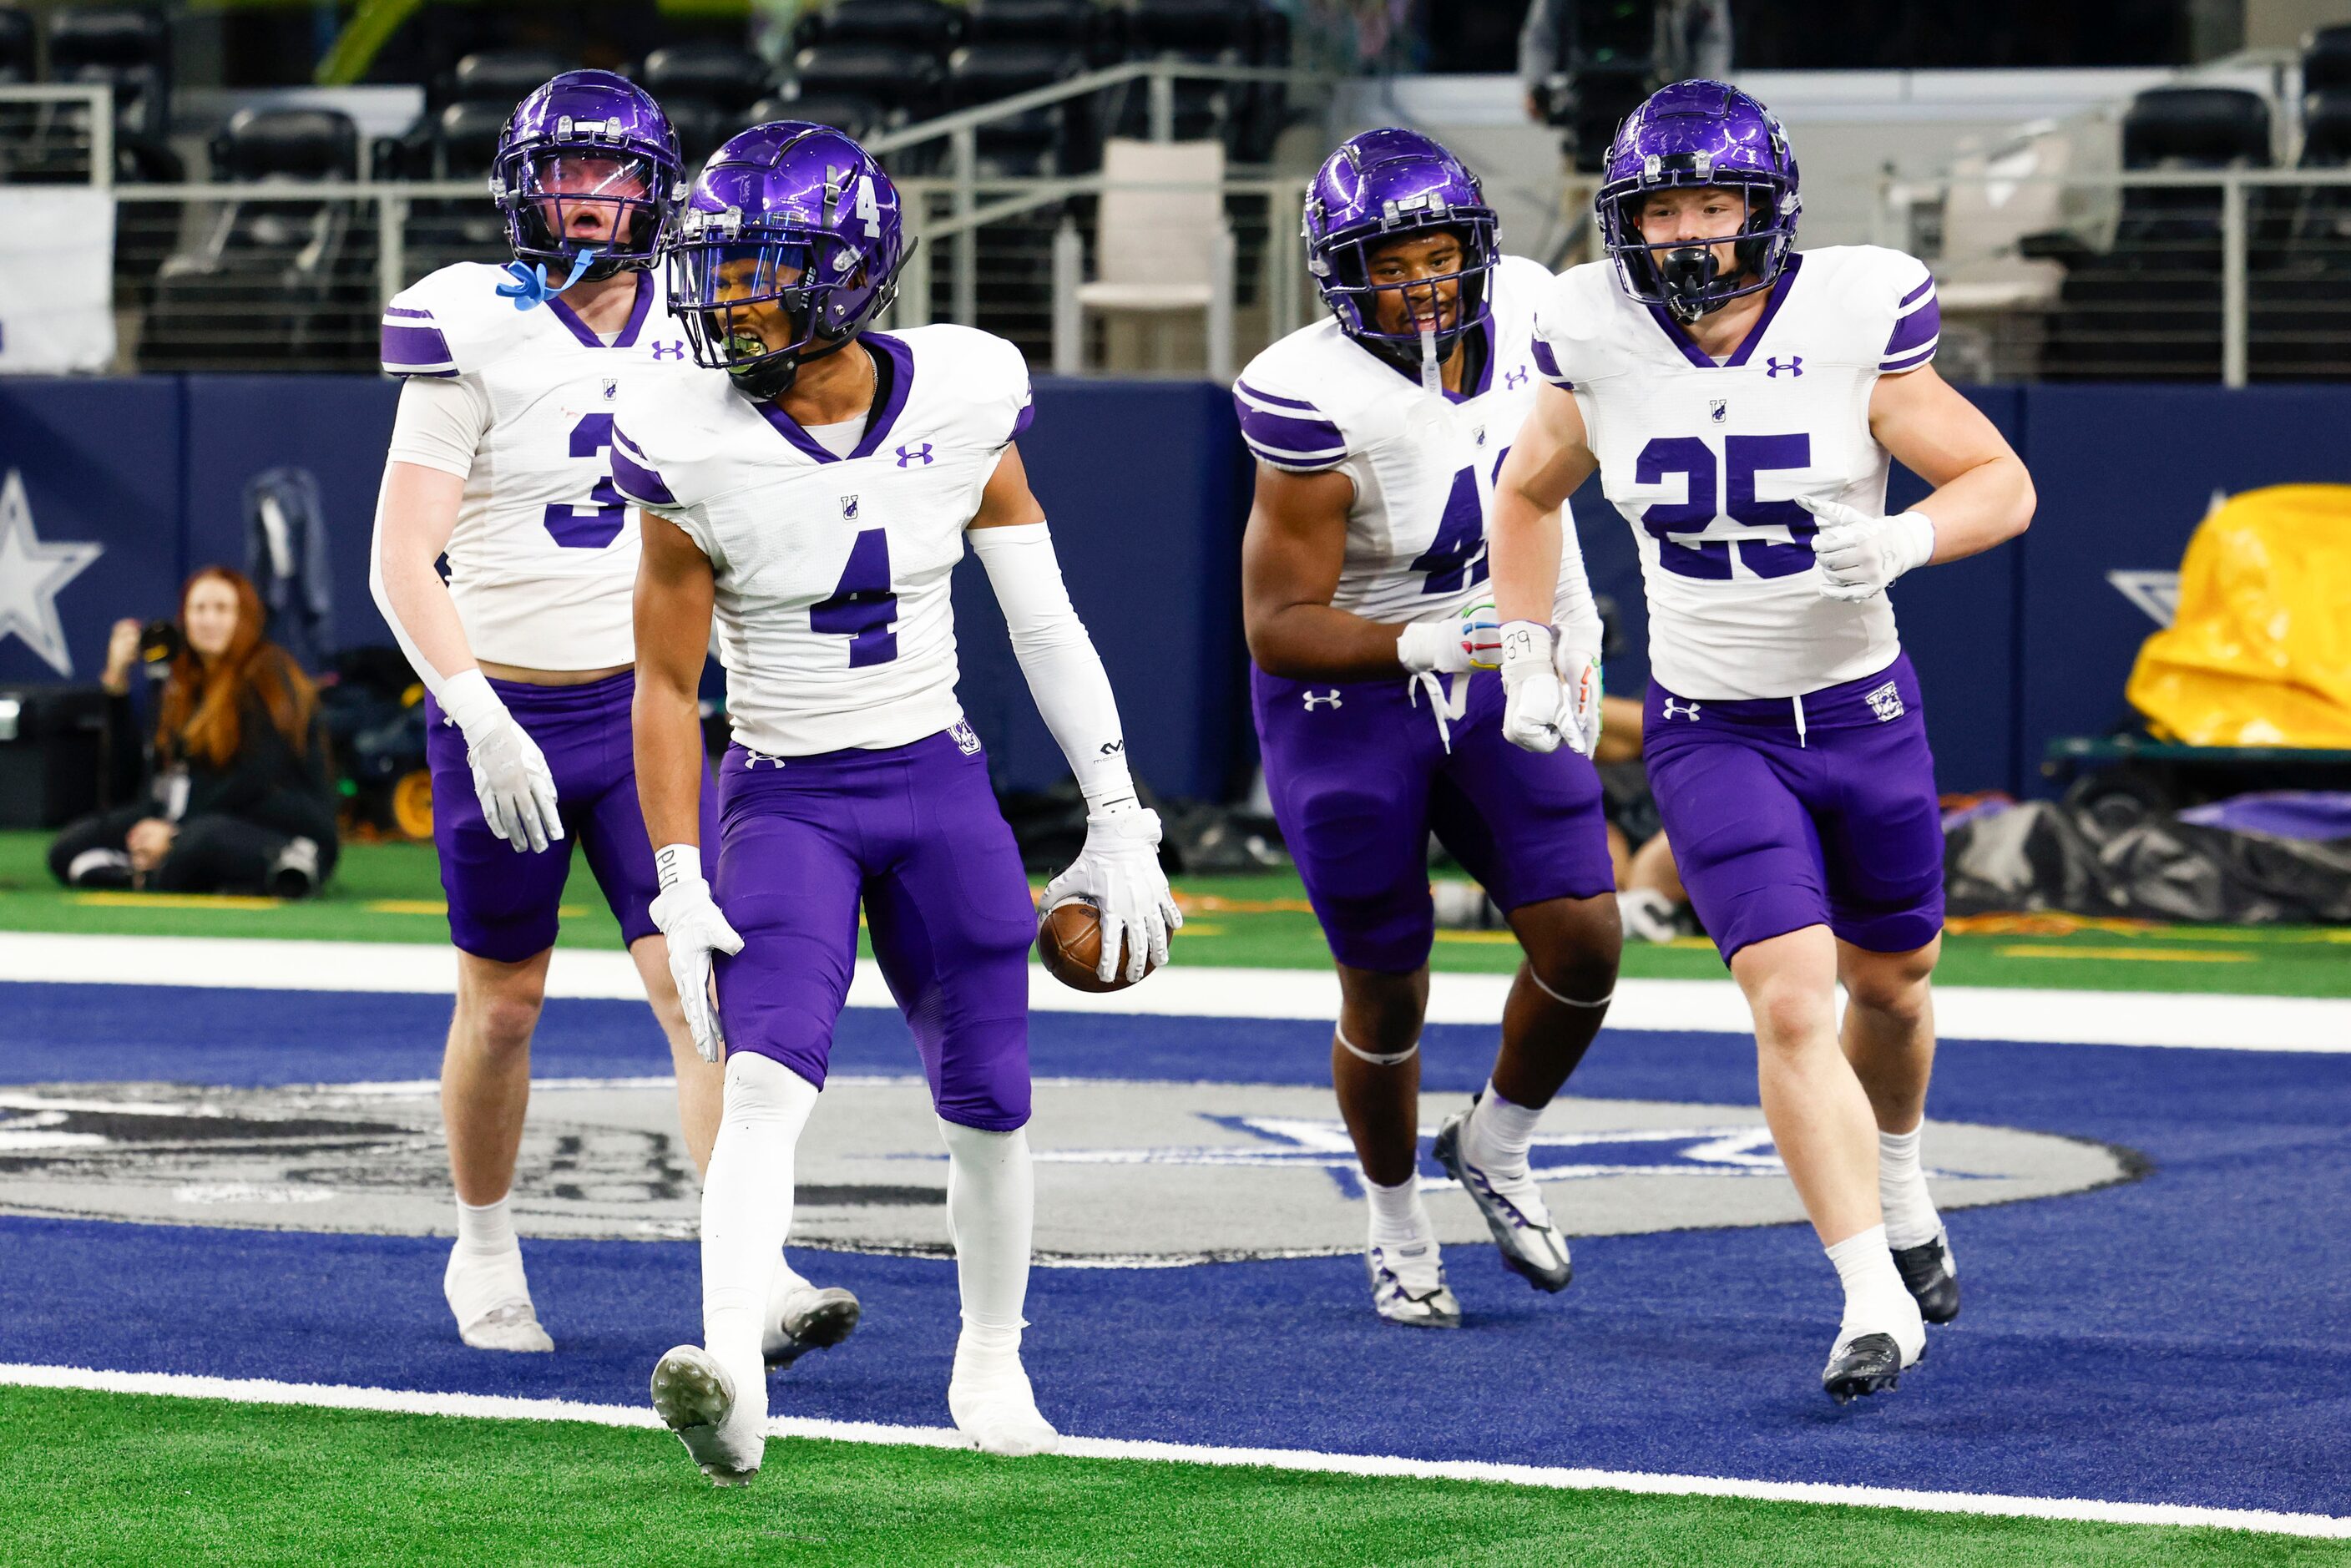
[1726,486]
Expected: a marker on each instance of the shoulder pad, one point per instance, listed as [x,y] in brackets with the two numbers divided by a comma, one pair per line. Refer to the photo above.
[988,375]
[667,424]
[449,322]
[1571,316]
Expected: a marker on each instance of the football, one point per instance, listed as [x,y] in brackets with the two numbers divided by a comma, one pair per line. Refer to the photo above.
[1069,944]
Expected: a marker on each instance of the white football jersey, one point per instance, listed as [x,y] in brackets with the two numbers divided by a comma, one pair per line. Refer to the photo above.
[543,562]
[1423,464]
[1705,459]
[833,574]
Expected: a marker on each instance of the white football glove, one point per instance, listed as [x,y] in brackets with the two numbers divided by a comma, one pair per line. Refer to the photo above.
[1580,689]
[689,918]
[510,773]
[1859,555]
[1454,645]
[1533,697]
[1118,873]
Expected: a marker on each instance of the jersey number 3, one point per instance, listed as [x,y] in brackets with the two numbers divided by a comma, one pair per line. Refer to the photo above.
[597,523]
[861,607]
[1743,457]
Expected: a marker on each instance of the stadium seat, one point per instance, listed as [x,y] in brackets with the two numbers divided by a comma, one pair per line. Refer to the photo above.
[858,118]
[503,75]
[2299,310]
[1162,248]
[17,55]
[1074,24]
[1050,139]
[273,284]
[2327,59]
[460,142]
[1200,32]
[729,78]
[127,48]
[924,27]
[901,80]
[2149,307]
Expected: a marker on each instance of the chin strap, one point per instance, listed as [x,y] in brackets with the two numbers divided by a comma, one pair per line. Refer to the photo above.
[530,288]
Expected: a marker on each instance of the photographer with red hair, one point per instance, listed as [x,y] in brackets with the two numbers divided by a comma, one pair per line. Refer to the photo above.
[240,797]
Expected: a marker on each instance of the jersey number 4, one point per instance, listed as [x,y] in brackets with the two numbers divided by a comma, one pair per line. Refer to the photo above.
[597,522]
[862,608]
[1456,558]
[1743,457]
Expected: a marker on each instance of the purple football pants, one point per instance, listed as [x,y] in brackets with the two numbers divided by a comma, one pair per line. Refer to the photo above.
[914,833]
[1361,775]
[1785,812]
[502,904]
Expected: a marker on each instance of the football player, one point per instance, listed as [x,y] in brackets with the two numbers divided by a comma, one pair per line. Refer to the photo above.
[813,483]
[509,381]
[1741,402]
[1378,433]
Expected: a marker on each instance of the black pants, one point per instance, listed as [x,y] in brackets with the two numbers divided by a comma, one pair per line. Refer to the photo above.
[209,854]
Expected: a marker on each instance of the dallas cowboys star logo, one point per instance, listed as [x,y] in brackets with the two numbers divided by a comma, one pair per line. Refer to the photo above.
[32,574]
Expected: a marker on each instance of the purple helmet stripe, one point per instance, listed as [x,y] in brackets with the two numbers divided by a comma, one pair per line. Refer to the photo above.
[638,482]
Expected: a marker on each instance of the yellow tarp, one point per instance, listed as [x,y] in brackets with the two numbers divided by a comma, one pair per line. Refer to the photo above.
[2260,652]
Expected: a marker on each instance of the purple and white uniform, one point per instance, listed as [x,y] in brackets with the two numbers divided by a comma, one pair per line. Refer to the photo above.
[853,778]
[542,566]
[1362,772]
[1785,740]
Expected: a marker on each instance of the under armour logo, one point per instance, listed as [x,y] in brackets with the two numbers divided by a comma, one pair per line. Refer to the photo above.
[1514,378]
[675,350]
[1680,710]
[753,759]
[1794,367]
[968,742]
[1314,702]
[910,455]
[1885,702]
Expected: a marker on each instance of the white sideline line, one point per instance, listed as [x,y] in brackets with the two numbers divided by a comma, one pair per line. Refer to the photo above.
[404,1402]
[2211,1021]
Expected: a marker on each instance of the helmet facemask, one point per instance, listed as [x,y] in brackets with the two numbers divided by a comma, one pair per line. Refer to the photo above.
[758,309]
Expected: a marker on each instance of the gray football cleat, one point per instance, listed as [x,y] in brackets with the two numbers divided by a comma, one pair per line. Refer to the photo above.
[490,1299]
[1531,1245]
[809,1319]
[696,1400]
[1409,1286]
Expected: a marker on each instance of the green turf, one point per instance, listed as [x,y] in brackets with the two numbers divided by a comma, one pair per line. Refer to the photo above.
[1258,920]
[98,1478]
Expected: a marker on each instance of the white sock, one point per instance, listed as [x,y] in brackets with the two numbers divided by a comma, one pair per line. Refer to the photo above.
[746,1211]
[1875,1300]
[1500,1134]
[1397,1213]
[1910,1216]
[485,1229]
[991,1211]
[786,1280]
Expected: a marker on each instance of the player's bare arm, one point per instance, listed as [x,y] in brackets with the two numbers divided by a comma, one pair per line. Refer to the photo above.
[673,631]
[1291,557]
[1548,463]
[1006,501]
[1982,494]
[418,515]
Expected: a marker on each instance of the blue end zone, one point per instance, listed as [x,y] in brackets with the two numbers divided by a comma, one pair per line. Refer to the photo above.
[2179,1339]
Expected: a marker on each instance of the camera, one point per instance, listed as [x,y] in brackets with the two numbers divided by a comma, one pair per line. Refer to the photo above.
[159,644]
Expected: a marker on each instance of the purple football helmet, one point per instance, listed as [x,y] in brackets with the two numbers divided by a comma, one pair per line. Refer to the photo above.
[587,140]
[1683,137]
[789,215]
[1382,185]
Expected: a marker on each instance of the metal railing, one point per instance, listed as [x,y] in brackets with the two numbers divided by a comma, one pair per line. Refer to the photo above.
[44,141]
[2234,275]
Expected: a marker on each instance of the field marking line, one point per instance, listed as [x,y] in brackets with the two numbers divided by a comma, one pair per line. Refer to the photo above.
[494,1407]
[2199,1021]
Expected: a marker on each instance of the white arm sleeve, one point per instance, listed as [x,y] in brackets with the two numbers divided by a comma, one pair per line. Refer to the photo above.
[440,425]
[1064,674]
[1572,607]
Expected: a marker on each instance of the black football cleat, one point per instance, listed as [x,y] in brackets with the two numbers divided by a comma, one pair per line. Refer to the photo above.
[1868,1363]
[1933,1276]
